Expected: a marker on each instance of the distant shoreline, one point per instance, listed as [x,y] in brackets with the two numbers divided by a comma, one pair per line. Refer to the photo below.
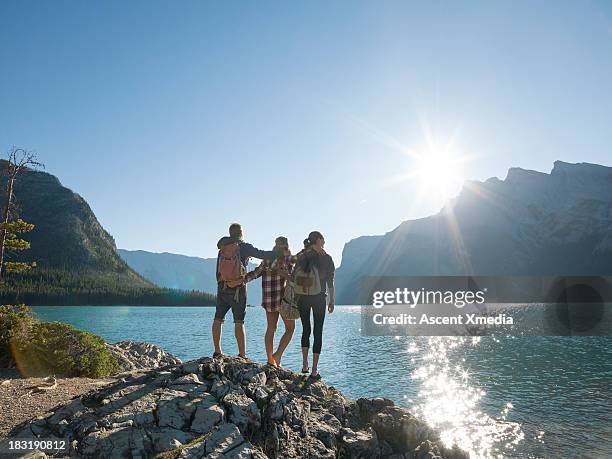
[124,305]
[159,305]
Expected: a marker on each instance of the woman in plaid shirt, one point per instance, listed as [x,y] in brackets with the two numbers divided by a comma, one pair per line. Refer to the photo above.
[273,275]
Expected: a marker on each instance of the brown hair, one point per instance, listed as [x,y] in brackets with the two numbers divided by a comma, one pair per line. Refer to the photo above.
[312,238]
[235,230]
[281,241]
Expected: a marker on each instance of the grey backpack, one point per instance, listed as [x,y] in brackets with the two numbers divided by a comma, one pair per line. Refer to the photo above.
[289,308]
[307,282]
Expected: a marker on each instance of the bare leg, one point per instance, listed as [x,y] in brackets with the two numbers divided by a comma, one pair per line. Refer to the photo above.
[285,340]
[240,338]
[272,319]
[305,358]
[315,363]
[216,334]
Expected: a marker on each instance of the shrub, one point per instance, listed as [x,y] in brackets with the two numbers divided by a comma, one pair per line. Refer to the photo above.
[44,348]
[61,349]
[15,321]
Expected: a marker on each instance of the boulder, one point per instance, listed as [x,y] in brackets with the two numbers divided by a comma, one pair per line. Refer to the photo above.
[208,414]
[362,444]
[133,355]
[243,412]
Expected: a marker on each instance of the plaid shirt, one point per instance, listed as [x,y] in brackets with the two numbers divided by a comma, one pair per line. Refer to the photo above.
[272,284]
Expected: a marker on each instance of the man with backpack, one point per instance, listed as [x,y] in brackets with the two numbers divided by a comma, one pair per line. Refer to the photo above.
[232,262]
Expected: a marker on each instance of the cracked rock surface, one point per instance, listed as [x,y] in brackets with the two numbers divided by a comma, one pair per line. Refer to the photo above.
[231,408]
[134,355]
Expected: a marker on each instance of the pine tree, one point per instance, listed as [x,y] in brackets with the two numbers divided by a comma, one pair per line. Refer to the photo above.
[13,244]
[11,226]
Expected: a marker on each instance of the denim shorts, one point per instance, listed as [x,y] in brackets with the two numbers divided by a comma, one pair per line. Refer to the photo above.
[231,298]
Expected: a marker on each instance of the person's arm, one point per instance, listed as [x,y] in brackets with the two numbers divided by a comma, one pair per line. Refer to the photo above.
[330,286]
[257,272]
[332,302]
[247,250]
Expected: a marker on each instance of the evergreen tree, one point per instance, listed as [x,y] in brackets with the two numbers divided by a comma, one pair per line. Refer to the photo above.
[18,160]
[11,243]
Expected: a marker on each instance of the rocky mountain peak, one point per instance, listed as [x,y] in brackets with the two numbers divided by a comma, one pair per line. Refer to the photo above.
[519,176]
[530,223]
[581,169]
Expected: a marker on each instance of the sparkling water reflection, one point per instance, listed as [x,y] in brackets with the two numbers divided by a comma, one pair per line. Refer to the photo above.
[450,401]
[497,397]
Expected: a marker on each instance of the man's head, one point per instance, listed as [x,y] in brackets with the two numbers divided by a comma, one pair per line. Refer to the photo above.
[235,230]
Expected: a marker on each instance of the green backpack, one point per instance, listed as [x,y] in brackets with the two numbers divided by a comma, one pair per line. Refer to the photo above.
[307,281]
[289,307]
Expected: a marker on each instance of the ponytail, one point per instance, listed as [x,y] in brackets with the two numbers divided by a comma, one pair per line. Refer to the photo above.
[312,239]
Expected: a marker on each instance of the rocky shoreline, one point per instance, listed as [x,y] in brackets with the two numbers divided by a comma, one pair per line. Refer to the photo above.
[23,398]
[229,408]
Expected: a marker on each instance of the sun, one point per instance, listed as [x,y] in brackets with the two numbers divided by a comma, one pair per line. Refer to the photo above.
[435,166]
[439,171]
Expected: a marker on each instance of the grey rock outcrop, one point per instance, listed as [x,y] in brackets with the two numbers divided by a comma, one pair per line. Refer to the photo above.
[232,408]
[133,355]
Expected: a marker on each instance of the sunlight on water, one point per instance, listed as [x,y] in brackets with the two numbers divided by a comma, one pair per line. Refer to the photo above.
[449,400]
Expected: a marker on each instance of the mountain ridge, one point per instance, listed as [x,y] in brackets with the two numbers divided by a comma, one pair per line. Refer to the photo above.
[530,223]
[185,272]
[67,234]
[77,259]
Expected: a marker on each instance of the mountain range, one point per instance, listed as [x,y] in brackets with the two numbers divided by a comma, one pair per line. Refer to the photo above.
[181,271]
[77,259]
[530,223]
[67,235]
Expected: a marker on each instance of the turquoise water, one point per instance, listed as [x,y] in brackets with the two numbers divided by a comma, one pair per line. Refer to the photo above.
[497,397]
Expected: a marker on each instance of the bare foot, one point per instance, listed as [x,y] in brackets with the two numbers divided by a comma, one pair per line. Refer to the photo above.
[277,358]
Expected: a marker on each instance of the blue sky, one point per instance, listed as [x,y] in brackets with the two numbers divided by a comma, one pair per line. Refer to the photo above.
[173,119]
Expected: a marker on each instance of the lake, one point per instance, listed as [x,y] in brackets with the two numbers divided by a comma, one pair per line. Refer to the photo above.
[497,397]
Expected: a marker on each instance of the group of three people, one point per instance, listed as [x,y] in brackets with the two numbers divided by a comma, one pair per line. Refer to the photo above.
[274,270]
